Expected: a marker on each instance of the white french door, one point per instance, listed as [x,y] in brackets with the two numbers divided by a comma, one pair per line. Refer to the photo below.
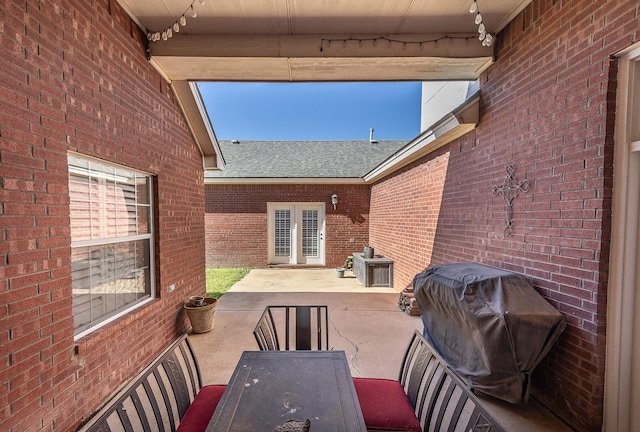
[296,233]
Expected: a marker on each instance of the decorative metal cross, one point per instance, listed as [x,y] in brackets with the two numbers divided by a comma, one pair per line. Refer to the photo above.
[510,189]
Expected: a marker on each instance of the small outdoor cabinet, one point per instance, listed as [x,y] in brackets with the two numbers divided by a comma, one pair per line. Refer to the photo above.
[373,272]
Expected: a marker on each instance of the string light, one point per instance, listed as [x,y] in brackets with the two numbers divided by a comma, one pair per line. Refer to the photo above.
[486,38]
[168,32]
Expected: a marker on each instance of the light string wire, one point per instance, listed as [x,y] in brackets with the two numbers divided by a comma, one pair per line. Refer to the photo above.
[168,32]
[486,38]
[327,41]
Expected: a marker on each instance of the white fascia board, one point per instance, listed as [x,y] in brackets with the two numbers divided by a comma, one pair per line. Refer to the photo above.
[220,163]
[447,129]
[282,180]
[192,108]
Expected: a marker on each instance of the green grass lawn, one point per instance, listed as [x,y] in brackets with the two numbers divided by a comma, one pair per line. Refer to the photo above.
[219,280]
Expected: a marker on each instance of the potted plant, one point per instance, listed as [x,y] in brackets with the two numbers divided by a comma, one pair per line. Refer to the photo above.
[200,311]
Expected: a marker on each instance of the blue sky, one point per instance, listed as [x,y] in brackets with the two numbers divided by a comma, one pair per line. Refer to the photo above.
[313,111]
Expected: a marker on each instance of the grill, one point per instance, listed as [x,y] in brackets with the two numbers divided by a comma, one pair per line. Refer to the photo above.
[490,325]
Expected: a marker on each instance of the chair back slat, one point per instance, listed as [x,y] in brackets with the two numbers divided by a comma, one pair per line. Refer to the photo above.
[299,327]
[303,328]
[441,400]
[322,330]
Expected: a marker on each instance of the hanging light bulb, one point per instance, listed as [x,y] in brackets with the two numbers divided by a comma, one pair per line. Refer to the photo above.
[164,35]
[478,18]
[176,27]
[481,28]
[483,34]
[474,7]
[194,14]
[169,32]
[183,21]
[488,39]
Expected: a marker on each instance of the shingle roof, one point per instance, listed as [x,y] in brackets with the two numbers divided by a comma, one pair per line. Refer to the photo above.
[303,159]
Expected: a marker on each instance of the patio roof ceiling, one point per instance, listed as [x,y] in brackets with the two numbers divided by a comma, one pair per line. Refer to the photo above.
[314,40]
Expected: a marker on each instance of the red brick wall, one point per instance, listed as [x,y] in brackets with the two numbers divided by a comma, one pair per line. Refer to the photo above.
[547,107]
[75,77]
[236,220]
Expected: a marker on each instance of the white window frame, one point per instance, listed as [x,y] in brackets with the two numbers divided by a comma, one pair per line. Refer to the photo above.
[81,165]
[622,378]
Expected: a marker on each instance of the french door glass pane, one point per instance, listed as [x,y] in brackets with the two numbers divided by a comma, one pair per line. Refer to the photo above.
[283,232]
[310,233]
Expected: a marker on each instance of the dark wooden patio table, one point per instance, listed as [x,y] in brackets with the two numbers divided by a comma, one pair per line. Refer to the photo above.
[269,388]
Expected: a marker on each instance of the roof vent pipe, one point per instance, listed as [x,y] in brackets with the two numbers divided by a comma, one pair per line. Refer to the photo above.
[371,140]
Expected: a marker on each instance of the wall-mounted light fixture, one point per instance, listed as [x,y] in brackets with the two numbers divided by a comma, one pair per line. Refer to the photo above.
[334,200]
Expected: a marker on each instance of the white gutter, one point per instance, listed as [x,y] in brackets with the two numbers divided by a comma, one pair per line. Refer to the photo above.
[452,126]
[195,114]
[219,163]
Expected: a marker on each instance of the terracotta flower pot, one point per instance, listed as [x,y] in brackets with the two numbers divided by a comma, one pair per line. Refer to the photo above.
[201,317]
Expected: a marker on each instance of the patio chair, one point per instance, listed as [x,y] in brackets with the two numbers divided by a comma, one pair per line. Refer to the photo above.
[428,396]
[287,328]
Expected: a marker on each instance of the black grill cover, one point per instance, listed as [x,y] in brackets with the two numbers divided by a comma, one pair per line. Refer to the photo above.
[490,325]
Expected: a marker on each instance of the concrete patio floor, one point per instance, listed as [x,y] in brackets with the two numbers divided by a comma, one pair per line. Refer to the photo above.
[364,322]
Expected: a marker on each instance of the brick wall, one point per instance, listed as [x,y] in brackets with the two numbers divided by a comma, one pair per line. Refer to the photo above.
[547,107]
[236,220]
[75,77]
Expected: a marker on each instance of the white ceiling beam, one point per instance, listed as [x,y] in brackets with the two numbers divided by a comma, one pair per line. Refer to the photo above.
[320,69]
[300,58]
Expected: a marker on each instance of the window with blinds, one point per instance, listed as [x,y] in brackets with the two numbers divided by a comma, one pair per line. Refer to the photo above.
[111,240]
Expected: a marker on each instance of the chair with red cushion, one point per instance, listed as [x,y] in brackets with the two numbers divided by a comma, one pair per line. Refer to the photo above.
[428,396]
[385,406]
[201,409]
